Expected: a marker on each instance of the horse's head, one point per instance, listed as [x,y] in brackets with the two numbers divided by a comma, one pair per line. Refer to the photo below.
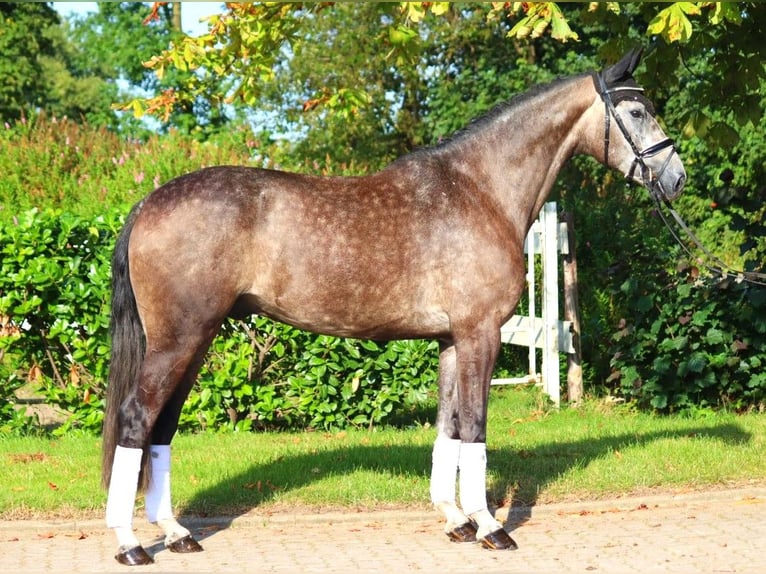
[634,142]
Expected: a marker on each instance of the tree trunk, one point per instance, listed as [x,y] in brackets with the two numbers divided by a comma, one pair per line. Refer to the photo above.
[176,18]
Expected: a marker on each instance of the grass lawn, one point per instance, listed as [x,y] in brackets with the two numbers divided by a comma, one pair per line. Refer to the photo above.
[536,455]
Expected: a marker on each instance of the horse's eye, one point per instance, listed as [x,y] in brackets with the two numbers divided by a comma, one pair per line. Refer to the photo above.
[638,114]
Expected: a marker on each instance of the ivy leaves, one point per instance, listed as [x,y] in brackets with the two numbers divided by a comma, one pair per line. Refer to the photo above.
[691,344]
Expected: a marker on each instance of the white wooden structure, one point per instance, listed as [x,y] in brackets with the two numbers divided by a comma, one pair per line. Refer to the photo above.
[546,238]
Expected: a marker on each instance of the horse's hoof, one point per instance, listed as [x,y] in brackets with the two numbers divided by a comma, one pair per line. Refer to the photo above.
[498,540]
[135,556]
[185,545]
[463,533]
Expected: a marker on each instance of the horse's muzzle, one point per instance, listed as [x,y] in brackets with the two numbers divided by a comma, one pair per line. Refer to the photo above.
[677,188]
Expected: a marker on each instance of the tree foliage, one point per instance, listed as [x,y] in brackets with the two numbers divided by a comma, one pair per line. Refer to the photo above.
[81,67]
[113,43]
[26,29]
[245,44]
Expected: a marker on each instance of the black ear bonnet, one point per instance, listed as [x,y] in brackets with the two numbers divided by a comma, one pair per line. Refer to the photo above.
[620,84]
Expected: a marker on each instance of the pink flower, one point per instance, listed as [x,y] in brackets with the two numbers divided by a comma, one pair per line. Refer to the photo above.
[139,177]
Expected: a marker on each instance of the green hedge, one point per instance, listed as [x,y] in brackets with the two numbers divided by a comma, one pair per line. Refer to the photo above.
[54,292]
[682,346]
[63,199]
[692,344]
[54,304]
[265,374]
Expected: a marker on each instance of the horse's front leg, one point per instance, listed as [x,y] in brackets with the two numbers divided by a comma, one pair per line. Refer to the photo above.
[446,452]
[476,355]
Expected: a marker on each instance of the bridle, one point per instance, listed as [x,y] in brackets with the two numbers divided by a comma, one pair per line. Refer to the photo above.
[657,192]
[651,182]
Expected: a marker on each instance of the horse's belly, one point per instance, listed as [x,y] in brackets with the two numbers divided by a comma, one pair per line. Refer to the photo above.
[360,313]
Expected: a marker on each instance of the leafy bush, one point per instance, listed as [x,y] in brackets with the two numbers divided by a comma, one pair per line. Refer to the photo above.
[692,344]
[54,284]
[54,295]
[265,374]
[57,163]
[685,342]
[679,346]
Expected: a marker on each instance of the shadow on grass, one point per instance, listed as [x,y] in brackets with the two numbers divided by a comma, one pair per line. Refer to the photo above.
[524,472]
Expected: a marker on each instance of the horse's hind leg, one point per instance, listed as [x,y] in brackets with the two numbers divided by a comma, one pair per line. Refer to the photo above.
[162,371]
[159,509]
[120,504]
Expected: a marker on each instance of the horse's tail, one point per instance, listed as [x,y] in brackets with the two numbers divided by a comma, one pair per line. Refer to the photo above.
[127,352]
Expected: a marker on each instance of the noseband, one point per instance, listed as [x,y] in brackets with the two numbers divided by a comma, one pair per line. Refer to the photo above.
[653,184]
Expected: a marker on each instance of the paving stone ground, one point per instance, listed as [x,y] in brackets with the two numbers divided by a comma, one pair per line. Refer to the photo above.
[717,531]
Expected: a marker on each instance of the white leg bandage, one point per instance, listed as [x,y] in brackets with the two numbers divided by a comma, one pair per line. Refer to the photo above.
[445,458]
[122,494]
[473,487]
[473,477]
[158,506]
[443,477]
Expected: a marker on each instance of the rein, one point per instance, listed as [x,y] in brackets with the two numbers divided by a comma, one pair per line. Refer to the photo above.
[717,267]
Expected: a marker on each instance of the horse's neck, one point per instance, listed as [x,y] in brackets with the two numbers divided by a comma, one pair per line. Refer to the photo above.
[522,151]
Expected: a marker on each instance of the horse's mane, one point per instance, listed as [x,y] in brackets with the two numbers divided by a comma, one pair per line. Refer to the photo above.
[489,117]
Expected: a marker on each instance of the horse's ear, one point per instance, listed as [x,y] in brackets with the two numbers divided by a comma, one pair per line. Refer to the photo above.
[623,70]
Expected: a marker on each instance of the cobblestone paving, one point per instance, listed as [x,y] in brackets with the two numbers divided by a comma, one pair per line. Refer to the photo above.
[718,531]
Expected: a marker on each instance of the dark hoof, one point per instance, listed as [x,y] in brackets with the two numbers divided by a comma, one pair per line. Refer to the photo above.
[135,556]
[185,545]
[498,540]
[463,533]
